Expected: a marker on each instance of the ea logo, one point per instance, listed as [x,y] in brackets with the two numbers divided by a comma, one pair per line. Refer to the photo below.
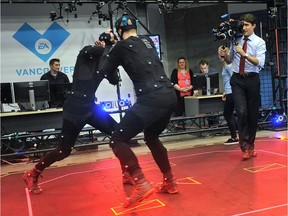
[43,46]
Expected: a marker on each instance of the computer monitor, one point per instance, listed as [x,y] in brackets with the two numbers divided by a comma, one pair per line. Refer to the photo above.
[157,43]
[58,94]
[31,92]
[6,93]
[201,82]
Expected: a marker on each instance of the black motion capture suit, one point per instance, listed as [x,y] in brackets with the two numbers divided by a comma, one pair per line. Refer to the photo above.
[156,100]
[79,109]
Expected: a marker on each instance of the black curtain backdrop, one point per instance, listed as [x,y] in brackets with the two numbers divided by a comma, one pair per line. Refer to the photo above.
[189,33]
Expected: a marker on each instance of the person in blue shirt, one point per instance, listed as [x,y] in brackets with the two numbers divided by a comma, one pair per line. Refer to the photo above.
[245,82]
[227,97]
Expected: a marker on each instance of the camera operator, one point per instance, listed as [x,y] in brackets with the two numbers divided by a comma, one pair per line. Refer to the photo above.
[248,56]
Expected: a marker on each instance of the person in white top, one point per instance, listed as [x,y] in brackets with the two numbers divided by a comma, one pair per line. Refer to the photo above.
[246,84]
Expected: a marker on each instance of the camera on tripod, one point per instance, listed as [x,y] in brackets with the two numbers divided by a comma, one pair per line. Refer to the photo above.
[228,30]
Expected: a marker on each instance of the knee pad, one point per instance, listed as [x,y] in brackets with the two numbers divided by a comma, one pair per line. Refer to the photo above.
[65,148]
[119,148]
[70,130]
[127,158]
[155,144]
[68,138]
[128,128]
[152,140]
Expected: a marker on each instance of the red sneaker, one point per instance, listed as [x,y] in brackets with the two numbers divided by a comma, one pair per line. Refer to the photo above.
[245,155]
[31,180]
[140,192]
[170,187]
[127,179]
[252,153]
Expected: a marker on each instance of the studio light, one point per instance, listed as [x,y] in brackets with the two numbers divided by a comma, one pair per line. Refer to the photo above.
[101,16]
[106,105]
[167,5]
[53,15]
[278,120]
[69,8]
[123,103]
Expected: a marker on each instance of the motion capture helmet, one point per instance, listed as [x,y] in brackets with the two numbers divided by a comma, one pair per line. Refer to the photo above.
[106,37]
[125,23]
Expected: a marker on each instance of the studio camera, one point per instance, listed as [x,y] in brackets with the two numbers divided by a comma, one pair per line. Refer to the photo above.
[228,30]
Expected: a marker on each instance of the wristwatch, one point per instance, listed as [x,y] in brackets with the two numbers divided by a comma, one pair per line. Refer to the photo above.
[246,55]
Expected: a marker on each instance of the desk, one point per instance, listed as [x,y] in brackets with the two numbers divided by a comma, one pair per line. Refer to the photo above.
[203,104]
[31,121]
[13,122]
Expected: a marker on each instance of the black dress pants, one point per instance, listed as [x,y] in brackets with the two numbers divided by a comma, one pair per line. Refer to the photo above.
[246,95]
[229,116]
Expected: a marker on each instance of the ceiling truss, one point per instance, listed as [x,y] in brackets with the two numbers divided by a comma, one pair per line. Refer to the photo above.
[142,1]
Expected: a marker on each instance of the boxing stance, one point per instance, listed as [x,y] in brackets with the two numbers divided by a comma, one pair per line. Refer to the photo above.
[156,100]
[79,109]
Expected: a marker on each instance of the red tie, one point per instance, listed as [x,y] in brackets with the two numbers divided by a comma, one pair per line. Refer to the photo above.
[242,59]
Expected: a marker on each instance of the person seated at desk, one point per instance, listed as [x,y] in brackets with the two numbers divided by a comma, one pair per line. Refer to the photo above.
[54,75]
[57,81]
[205,69]
[182,79]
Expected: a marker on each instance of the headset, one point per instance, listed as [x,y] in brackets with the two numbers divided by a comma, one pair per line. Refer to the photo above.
[123,23]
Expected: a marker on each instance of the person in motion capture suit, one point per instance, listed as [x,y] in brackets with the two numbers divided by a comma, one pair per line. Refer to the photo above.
[79,108]
[156,101]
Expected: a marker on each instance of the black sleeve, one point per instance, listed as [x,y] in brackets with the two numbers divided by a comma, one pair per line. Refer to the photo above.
[91,50]
[66,79]
[191,79]
[174,78]
[191,76]
[43,77]
[110,64]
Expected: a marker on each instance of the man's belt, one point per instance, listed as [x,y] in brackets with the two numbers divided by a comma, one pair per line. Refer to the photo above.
[248,74]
